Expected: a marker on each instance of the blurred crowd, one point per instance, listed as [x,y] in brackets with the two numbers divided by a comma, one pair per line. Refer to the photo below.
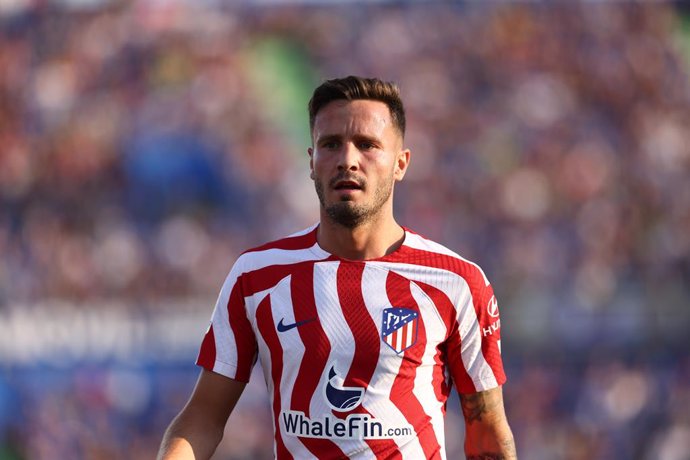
[144,145]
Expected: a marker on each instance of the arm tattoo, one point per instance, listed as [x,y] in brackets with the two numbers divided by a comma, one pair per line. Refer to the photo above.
[508,448]
[474,405]
[491,436]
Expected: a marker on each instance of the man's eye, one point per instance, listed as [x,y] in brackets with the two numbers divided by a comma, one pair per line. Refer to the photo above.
[366,145]
[331,145]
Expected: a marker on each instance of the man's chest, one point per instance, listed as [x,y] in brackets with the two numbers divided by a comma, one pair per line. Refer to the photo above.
[358,318]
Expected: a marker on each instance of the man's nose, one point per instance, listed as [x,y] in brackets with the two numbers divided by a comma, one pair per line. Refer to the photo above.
[349,157]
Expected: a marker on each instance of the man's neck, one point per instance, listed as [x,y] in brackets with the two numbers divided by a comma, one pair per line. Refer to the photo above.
[369,240]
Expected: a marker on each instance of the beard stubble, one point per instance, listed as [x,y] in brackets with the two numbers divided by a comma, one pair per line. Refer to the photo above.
[346,212]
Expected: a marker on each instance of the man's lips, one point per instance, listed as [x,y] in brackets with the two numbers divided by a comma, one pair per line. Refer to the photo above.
[347,185]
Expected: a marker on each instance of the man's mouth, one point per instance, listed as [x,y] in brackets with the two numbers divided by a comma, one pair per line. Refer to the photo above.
[347,185]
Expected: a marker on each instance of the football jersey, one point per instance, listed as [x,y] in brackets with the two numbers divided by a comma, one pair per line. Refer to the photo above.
[359,356]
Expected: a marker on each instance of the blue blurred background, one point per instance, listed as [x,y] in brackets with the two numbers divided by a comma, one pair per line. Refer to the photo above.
[144,145]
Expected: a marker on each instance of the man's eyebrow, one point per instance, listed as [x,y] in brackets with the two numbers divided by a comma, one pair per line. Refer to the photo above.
[338,137]
[366,137]
[328,138]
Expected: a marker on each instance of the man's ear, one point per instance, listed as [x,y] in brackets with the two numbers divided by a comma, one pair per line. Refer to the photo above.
[401,164]
[310,151]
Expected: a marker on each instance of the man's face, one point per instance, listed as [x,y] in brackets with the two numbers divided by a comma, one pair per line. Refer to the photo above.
[356,159]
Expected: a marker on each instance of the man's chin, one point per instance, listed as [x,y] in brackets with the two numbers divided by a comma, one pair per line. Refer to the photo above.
[346,195]
[347,214]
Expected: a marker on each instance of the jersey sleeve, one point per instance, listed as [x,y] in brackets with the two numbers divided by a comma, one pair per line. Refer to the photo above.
[229,346]
[474,343]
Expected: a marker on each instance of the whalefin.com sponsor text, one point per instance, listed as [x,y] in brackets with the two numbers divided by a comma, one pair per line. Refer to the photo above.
[354,426]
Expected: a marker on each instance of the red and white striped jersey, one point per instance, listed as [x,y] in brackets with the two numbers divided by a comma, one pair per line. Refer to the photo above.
[358,356]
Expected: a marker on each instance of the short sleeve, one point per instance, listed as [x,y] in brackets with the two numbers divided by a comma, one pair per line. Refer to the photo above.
[474,343]
[229,346]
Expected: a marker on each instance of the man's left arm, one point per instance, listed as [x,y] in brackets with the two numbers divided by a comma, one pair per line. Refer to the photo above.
[487,433]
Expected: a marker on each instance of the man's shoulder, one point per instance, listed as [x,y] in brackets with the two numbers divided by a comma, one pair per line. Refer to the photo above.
[420,242]
[289,249]
[432,253]
[303,239]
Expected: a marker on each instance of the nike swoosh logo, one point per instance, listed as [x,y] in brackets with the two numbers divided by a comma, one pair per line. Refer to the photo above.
[286,327]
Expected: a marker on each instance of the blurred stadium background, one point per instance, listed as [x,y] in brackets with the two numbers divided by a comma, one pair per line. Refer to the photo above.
[143,145]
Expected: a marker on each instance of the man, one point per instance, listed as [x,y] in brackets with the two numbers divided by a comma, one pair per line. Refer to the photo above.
[360,325]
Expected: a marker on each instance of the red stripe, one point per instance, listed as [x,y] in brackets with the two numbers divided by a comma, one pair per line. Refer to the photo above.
[480,292]
[267,277]
[400,295]
[243,334]
[207,352]
[248,284]
[400,339]
[410,329]
[317,349]
[460,267]
[367,344]
[490,350]
[451,347]
[290,243]
[266,326]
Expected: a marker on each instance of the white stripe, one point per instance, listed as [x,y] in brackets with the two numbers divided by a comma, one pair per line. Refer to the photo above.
[398,339]
[471,344]
[342,344]
[458,291]
[293,353]
[410,330]
[445,280]
[226,354]
[388,364]
[435,331]
[257,260]
[418,242]
[254,300]
[267,369]
[226,345]
[303,232]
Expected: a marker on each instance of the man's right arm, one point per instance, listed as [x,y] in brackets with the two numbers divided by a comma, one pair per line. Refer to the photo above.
[198,428]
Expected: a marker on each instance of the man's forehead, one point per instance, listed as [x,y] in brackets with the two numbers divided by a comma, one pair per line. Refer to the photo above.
[363,113]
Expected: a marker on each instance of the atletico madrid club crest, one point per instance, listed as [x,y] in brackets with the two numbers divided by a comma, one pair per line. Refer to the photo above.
[399,328]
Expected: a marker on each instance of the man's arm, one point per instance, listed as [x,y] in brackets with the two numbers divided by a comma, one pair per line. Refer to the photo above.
[197,430]
[488,436]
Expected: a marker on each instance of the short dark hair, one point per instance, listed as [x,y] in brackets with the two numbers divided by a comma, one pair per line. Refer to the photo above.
[352,88]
